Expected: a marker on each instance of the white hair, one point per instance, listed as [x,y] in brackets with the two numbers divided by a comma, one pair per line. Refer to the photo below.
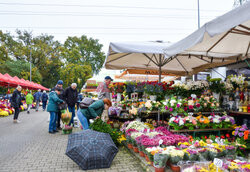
[44,91]
[18,86]
[73,84]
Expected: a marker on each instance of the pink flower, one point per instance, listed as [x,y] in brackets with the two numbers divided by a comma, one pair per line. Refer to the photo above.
[190,107]
[166,107]
[198,105]
[185,108]
[194,122]
[178,105]
[170,109]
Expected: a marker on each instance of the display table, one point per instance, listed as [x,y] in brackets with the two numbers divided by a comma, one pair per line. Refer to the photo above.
[195,131]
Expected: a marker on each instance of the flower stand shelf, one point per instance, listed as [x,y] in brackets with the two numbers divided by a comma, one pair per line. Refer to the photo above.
[195,131]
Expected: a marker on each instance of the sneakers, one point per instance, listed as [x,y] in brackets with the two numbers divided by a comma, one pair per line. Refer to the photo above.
[16,121]
[51,132]
[59,128]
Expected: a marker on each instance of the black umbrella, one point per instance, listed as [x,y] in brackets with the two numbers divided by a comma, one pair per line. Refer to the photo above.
[91,149]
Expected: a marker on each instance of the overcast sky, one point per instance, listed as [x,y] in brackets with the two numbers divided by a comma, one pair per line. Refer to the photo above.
[110,20]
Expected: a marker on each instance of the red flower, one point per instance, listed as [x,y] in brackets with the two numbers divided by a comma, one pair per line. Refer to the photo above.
[223,137]
[198,105]
[216,136]
[227,135]
[205,137]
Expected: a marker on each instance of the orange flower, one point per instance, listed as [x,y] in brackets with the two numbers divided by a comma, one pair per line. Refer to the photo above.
[246,133]
[206,121]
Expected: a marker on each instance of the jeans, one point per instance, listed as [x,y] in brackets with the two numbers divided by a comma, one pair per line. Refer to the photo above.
[44,105]
[16,113]
[72,110]
[83,120]
[37,104]
[29,106]
[52,122]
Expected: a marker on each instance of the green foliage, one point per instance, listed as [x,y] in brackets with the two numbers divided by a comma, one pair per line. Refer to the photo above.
[83,50]
[21,69]
[99,125]
[216,85]
[75,73]
[50,59]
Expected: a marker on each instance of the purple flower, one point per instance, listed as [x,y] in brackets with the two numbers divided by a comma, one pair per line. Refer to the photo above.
[232,121]
[244,126]
[178,105]
[170,109]
[223,118]
[242,129]
[236,133]
[166,107]
[241,134]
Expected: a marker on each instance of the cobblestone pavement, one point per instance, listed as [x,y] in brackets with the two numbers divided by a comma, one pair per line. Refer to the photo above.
[27,146]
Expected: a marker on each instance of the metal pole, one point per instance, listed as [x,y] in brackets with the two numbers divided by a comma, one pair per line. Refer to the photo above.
[30,65]
[160,68]
[198,1]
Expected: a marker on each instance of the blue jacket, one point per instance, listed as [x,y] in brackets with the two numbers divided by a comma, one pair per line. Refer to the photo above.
[44,97]
[37,96]
[53,102]
[94,110]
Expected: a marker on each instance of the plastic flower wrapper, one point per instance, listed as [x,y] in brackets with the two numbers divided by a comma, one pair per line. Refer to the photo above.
[124,125]
[230,150]
[204,154]
[176,156]
[191,154]
[134,135]
[136,125]
[160,160]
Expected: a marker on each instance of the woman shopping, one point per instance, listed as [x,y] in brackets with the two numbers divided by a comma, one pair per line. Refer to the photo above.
[93,111]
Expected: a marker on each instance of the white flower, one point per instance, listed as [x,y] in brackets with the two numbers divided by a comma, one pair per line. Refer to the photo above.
[181,122]
[172,101]
[190,102]
[148,104]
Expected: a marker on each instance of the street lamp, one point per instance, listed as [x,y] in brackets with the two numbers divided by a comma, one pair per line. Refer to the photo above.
[30,65]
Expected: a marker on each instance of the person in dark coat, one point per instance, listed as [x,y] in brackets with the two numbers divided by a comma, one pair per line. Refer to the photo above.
[16,102]
[54,100]
[70,96]
[44,99]
[37,97]
[79,99]
[93,111]
[61,96]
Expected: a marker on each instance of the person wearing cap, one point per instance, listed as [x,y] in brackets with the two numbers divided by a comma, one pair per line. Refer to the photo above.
[103,88]
[61,96]
[16,102]
[37,98]
[52,108]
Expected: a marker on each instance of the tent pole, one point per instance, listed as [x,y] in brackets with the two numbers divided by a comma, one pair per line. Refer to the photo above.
[160,63]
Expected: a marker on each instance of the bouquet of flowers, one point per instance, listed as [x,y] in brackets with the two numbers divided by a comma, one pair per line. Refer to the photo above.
[215,121]
[190,122]
[136,125]
[227,121]
[203,122]
[216,85]
[236,81]
[241,134]
[176,122]
[197,87]
[208,103]
[152,105]
[153,88]
[176,155]
[160,160]
[173,106]
[191,154]
[117,87]
[180,89]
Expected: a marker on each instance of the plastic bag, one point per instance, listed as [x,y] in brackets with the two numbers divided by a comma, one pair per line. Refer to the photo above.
[66,117]
[160,160]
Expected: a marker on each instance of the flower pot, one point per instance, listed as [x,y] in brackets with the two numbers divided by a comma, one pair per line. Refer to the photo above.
[175,168]
[136,150]
[153,97]
[159,169]
[141,154]
[130,146]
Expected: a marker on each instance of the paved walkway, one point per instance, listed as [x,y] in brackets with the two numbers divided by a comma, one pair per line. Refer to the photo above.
[27,146]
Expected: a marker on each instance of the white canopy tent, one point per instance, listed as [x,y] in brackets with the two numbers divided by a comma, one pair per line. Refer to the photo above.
[224,39]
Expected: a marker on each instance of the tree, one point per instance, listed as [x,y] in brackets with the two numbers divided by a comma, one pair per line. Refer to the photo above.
[238,3]
[83,50]
[75,73]
[20,69]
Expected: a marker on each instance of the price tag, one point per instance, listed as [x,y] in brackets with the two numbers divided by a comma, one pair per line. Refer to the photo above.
[218,162]
[160,142]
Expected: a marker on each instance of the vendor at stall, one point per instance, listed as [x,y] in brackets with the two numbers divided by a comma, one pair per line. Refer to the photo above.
[103,88]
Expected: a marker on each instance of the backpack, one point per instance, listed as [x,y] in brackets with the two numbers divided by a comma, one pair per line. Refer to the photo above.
[86,102]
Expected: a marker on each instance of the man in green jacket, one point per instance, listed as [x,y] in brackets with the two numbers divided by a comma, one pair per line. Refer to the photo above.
[53,109]
[29,101]
[93,111]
